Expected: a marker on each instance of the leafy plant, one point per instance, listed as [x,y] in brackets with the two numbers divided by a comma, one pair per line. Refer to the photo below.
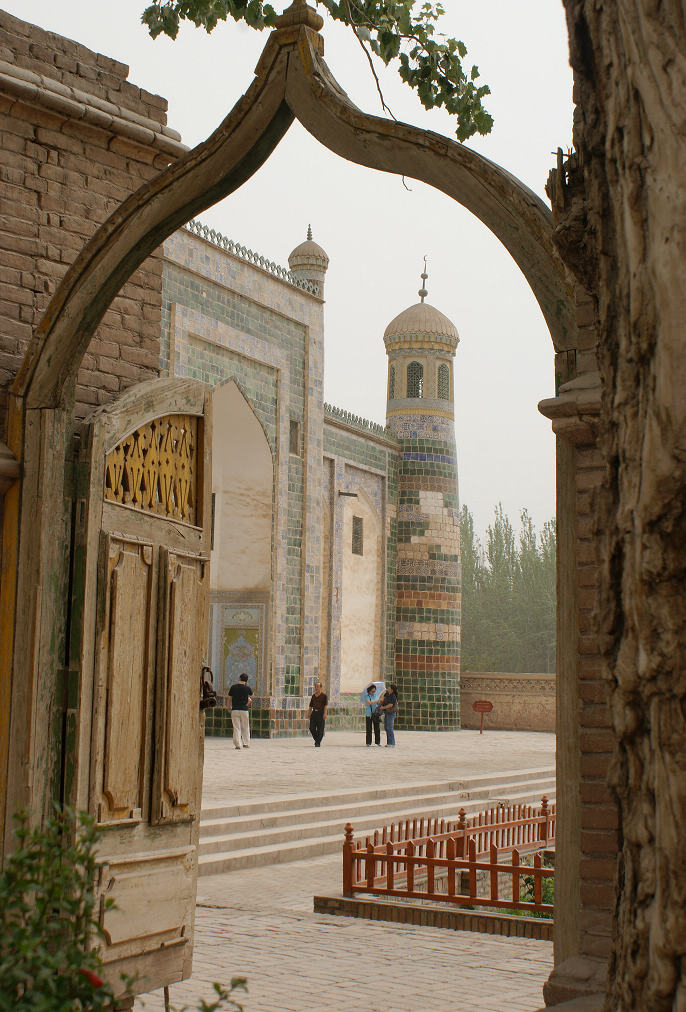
[547,893]
[223,996]
[49,958]
[394,30]
[47,919]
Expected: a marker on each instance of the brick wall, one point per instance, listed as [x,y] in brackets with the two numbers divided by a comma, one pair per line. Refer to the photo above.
[521,702]
[77,138]
[598,814]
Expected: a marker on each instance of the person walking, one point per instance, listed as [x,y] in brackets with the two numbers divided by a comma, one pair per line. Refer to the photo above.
[316,712]
[372,716]
[388,705]
[239,703]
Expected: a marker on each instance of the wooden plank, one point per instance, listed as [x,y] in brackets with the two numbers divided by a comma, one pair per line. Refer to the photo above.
[153,902]
[183,602]
[128,618]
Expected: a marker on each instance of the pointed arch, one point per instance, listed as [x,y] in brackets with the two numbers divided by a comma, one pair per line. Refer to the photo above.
[243,488]
[292,81]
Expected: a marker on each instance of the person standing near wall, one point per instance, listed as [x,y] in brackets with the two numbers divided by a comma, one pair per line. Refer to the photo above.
[316,712]
[372,715]
[240,703]
[388,705]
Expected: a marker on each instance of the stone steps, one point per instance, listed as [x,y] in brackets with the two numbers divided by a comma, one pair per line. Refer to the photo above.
[294,827]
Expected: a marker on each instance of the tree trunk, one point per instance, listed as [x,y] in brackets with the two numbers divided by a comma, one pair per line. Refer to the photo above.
[629,61]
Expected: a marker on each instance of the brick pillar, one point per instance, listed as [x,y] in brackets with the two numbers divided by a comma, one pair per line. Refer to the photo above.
[587,841]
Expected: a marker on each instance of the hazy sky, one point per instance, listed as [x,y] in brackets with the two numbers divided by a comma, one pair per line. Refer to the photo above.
[375,231]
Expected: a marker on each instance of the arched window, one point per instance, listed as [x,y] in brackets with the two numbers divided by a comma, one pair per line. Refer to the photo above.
[415,379]
[444,382]
[391,383]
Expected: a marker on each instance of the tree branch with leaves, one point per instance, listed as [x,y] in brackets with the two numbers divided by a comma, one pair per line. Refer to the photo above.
[402,32]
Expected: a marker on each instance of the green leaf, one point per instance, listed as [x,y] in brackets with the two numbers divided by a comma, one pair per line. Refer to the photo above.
[428,61]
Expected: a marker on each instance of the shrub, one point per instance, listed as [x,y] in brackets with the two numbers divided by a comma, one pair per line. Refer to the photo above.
[49,954]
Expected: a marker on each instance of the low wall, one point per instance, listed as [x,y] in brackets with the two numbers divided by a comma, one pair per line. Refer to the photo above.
[521,702]
[453,918]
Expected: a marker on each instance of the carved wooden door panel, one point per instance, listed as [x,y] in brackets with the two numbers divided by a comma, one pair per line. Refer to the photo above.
[140,608]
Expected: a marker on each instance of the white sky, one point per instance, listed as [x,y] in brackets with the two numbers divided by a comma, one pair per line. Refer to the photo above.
[374,230]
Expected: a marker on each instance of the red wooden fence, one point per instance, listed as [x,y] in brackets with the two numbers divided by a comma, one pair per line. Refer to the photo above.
[407,858]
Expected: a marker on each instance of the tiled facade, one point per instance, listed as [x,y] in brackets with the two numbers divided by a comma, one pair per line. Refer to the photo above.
[228,315]
[227,319]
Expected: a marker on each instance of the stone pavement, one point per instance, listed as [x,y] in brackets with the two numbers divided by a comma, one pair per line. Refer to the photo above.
[294,766]
[259,922]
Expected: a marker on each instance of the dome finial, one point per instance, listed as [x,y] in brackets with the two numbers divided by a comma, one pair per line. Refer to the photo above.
[309,232]
[422,291]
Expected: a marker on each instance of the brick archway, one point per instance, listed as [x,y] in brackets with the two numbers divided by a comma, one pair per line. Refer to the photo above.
[292,81]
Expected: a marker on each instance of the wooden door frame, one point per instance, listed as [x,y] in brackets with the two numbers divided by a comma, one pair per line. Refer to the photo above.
[104,429]
[291,81]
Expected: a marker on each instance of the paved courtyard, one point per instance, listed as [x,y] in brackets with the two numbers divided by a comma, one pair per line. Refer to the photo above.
[259,922]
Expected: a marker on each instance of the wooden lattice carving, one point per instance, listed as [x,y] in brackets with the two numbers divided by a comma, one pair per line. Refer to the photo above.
[155,469]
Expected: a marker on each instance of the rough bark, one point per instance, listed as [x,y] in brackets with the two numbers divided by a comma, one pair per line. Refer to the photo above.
[629,61]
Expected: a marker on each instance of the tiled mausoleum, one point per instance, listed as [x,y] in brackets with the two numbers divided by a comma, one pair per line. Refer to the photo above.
[336,545]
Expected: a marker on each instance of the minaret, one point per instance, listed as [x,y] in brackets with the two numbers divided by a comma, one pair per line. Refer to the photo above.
[309,262]
[421,344]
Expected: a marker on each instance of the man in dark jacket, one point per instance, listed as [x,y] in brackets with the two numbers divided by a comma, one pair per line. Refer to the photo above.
[316,713]
[240,703]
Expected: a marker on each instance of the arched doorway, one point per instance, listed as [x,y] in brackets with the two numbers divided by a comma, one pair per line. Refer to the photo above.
[241,558]
[292,80]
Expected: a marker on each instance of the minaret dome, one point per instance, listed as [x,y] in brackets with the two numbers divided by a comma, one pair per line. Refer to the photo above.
[309,262]
[420,344]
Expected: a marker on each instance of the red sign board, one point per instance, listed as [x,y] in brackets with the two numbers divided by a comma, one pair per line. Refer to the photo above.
[482,706]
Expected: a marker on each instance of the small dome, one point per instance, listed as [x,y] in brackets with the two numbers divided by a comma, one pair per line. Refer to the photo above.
[421,320]
[309,252]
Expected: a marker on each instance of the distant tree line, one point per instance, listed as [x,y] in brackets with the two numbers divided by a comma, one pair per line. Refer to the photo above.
[508,595]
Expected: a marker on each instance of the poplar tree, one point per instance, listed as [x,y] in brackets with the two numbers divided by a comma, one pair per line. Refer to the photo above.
[508,595]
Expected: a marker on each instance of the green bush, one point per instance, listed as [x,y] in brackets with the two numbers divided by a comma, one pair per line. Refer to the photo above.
[547,893]
[49,934]
[47,919]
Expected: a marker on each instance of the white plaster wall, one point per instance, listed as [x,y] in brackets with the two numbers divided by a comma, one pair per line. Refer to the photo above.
[360,612]
[242,477]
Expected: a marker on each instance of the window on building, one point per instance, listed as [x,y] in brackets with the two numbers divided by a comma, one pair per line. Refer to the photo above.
[391,383]
[415,379]
[358,536]
[294,443]
[444,382]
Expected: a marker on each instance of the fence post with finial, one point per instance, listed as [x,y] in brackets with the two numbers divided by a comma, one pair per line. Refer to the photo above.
[348,860]
[461,828]
[543,827]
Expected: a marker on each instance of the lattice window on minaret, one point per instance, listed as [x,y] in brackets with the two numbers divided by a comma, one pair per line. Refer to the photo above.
[391,383]
[415,379]
[444,382]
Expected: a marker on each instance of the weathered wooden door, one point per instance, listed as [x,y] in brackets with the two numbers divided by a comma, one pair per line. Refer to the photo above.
[138,636]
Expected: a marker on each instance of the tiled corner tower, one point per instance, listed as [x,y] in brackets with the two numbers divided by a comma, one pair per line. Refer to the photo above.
[421,344]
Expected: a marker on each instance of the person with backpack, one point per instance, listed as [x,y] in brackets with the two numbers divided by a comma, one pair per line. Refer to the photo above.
[388,706]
